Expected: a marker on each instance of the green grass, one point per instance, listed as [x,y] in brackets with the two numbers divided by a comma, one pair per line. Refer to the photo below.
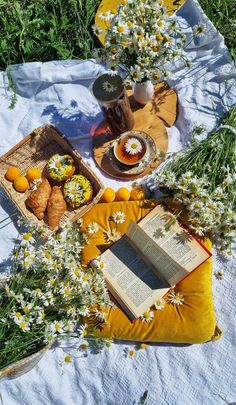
[43,30]
[223,15]
[32,30]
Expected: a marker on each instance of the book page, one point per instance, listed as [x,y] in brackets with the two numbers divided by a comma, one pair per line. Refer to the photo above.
[181,246]
[163,264]
[131,278]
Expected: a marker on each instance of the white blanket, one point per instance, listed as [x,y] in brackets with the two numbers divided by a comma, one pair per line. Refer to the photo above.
[58,93]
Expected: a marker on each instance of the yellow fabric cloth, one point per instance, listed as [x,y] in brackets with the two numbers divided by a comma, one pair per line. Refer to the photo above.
[192,322]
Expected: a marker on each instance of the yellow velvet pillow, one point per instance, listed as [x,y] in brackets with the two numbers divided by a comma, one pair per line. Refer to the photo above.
[192,322]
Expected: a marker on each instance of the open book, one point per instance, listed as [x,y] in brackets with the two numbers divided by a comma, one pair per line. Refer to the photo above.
[146,262]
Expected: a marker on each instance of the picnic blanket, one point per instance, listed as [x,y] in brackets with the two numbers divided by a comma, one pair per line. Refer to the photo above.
[59,93]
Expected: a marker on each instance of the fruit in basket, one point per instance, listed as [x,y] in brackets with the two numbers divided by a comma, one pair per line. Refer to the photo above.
[33,173]
[12,173]
[137,193]
[60,167]
[38,199]
[56,207]
[21,184]
[108,195]
[123,194]
[77,190]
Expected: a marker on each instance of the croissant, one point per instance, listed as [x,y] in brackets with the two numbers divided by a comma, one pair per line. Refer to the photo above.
[38,199]
[56,207]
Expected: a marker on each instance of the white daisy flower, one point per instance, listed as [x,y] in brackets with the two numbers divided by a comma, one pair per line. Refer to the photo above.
[16,316]
[92,228]
[35,184]
[98,264]
[40,318]
[131,353]
[133,146]
[199,30]
[160,303]
[25,326]
[119,217]
[82,330]
[121,29]
[147,316]
[57,327]
[113,235]
[27,238]
[108,87]
[66,292]
[97,30]
[176,298]
[136,73]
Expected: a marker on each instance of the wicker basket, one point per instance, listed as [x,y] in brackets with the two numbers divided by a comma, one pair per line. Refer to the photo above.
[35,150]
[23,366]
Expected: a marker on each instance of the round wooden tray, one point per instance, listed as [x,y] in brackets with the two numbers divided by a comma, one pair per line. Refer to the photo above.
[150,118]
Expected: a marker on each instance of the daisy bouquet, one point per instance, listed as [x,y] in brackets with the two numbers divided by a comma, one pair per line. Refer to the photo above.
[48,294]
[143,39]
[203,179]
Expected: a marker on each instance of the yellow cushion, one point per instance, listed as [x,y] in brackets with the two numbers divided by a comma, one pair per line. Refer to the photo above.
[192,322]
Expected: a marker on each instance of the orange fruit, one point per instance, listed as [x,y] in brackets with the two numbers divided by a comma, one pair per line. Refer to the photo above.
[33,173]
[108,195]
[12,173]
[137,193]
[21,184]
[123,194]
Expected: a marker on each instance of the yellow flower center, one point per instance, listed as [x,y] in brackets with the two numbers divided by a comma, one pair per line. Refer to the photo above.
[58,164]
[67,359]
[27,253]
[143,346]
[67,291]
[18,315]
[43,315]
[130,23]
[159,23]
[26,309]
[113,40]
[155,76]
[124,43]
[38,290]
[84,346]
[132,352]
[155,48]
[85,332]
[113,50]
[120,28]
[146,315]
[140,37]
[57,327]
[27,236]
[76,271]
[73,191]
[47,255]
[159,37]
[134,145]
[22,325]
[197,205]
[85,278]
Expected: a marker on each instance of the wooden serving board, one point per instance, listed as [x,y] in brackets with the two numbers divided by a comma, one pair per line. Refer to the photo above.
[150,118]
